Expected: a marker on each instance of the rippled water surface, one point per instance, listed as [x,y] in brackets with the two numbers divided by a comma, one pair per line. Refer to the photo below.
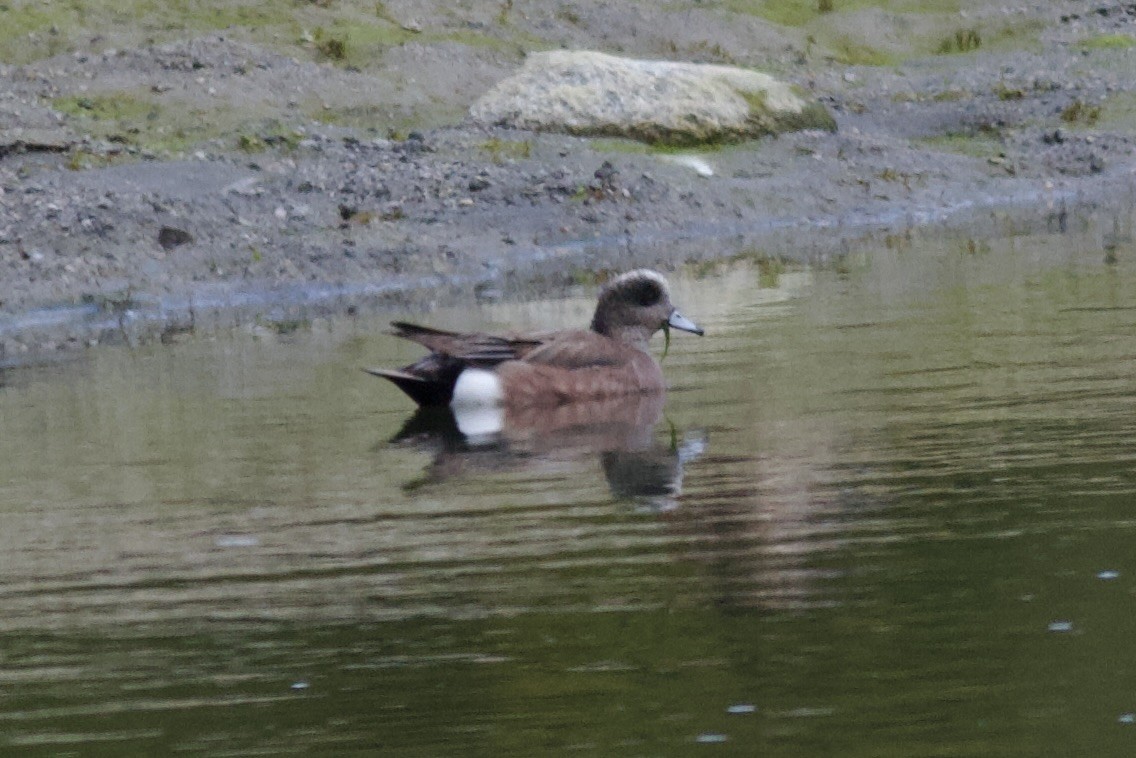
[888,510]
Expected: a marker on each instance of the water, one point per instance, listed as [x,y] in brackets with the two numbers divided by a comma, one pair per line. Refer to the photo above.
[887,509]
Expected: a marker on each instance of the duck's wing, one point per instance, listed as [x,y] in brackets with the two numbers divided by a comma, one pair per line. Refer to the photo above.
[577,349]
[470,348]
[574,366]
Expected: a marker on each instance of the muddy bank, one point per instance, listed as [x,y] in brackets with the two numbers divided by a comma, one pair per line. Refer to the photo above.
[169,186]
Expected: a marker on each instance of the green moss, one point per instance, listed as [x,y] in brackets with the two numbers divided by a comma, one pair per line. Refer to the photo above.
[136,118]
[1119,112]
[1079,112]
[568,15]
[937,7]
[962,41]
[769,271]
[757,101]
[353,32]
[852,53]
[382,12]
[1109,42]
[629,146]
[81,160]
[799,13]
[950,96]
[517,43]
[121,107]
[824,27]
[812,116]
[30,31]
[272,135]
[500,150]
[1006,93]
[974,146]
[785,12]
[123,117]
[329,46]
[37,30]
[1023,35]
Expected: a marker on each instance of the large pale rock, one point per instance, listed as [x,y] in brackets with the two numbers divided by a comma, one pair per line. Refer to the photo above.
[590,93]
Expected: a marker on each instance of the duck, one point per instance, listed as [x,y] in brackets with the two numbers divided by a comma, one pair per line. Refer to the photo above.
[609,359]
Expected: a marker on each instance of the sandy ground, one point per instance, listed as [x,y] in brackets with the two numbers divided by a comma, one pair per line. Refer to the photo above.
[154,187]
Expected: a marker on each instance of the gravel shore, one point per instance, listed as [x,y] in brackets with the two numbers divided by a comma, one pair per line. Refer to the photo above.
[157,187]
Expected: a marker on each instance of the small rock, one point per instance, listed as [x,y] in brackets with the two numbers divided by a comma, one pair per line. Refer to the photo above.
[170,237]
[606,172]
[1057,137]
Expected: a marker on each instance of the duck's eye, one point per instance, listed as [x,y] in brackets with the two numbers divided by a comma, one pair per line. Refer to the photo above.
[646,293]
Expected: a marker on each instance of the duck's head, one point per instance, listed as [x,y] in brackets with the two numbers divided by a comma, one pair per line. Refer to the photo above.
[635,305]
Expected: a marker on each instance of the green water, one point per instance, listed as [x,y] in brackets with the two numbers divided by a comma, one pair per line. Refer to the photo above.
[888,510]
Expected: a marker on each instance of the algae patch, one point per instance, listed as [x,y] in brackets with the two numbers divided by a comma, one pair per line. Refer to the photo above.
[1109,42]
[501,151]
[133,118]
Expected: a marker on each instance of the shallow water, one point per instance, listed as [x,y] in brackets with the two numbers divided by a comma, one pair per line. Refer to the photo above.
[887,510]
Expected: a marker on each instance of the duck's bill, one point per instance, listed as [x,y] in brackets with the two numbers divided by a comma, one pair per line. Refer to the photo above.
[681,322]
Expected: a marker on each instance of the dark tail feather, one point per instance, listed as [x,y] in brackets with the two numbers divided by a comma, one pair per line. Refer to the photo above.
[421,391]
[428,382]
[409,331]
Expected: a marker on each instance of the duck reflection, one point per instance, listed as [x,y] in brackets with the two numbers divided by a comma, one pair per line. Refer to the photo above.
[642,464]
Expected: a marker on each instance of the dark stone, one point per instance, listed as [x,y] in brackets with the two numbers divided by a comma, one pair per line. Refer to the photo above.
[170,237]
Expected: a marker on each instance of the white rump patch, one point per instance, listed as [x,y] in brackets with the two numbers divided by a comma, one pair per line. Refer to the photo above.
[479,423]
[477,387]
